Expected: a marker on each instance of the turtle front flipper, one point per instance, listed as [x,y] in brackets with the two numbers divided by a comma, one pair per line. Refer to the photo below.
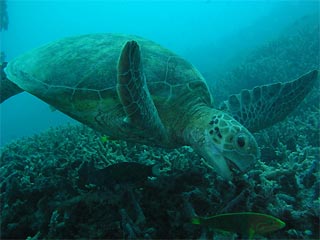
[141,113]
[266,105]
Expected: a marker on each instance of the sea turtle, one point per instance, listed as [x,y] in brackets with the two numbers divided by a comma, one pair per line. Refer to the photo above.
[133,89]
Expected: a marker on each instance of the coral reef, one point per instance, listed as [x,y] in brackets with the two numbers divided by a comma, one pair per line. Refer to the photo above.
[43,196]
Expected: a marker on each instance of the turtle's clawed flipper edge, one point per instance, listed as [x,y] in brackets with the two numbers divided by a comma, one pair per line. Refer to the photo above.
[266,105]
[134,94]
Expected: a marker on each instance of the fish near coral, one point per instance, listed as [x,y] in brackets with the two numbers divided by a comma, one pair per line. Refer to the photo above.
[123,172]
[104,139]
[130,171]
[244,223]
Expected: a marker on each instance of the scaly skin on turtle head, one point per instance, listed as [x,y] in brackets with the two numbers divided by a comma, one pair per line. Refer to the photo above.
[220,139]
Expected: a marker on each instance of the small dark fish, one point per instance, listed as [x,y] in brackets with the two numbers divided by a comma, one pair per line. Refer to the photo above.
[130,171]
[123,172]
[244,223]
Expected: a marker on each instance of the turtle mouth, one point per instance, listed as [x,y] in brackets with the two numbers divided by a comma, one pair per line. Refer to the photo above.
[232,165]
[238,165]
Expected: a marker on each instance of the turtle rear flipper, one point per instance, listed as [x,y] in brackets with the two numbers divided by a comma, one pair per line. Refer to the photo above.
[266,105]
[141,113]
[7,88]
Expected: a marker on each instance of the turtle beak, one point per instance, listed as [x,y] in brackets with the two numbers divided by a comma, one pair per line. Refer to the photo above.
[220,164]
[213,157]
[216,161]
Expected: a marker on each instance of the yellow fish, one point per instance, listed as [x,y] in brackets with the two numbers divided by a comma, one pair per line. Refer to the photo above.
[244,223]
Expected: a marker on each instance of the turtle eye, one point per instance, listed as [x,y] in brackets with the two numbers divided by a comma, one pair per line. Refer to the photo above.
[241,141]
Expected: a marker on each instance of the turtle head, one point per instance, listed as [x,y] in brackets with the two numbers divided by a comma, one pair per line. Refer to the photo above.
[224,142]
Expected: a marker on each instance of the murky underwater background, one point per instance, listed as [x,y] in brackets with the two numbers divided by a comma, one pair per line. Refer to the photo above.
[46,162]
